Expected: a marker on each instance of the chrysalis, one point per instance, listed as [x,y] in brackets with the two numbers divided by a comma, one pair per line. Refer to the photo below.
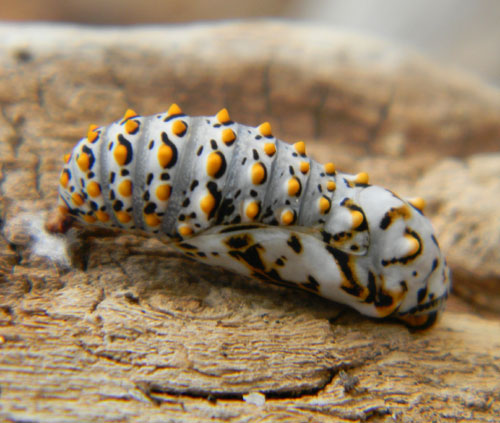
[234,196]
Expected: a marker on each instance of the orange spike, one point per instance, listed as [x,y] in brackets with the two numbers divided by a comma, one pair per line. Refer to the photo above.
[185,230]
[252,210]
[287,217]
[223,116]
[265,129]
[329,168]
[324,205]
[131,126]
[179,128]
[357,218]
[174,109]
[362,178]
[300,147]
[129,114]
[418,203]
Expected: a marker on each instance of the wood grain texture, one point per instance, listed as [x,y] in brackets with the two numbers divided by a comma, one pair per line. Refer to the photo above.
[131,331]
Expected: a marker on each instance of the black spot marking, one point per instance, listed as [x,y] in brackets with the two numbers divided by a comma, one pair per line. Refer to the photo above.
[238,241]
[110,146]
[404,286]
[194,184]
[240,228]
[342,259]
[250,256]
[376,295]
[112,176]
[146,196]
[149,178]
[94,206]
[421,294]
[90,175]
[383,299]
[200,151]
[151,144]
[127,144]
[171,117]
[166,140]
[201,254]
[236,220]
[311,284]
[150,208]
[267,213]
[253,193]
[279,262]
[186,202]
[320,188]
[386,221]
[255,154]
[214,145]
[237,194]
[124,172]
[112,195]
[212,188]
[244,160]
[90,153]
[291,170]
[294,243]
[165,177]
[435,264]
[117,205]
[226,210]
[223,165]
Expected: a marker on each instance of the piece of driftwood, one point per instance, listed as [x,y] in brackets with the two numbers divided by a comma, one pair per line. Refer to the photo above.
[128,330]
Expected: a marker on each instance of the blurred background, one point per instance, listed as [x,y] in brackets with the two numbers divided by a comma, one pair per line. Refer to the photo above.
[461,33]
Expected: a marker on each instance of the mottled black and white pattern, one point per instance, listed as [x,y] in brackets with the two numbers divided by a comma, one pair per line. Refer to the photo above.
[234,196]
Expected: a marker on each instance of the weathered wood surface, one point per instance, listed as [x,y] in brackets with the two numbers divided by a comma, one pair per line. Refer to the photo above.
[133,332]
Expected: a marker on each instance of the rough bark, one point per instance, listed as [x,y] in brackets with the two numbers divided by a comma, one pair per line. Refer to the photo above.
[130,331]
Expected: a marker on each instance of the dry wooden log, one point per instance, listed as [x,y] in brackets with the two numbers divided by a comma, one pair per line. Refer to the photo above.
[129,330]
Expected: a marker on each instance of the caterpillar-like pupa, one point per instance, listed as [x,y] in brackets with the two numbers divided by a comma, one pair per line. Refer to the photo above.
[234,196]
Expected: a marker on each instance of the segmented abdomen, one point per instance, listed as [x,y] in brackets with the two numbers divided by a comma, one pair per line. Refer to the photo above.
[251,203]
[179,175]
